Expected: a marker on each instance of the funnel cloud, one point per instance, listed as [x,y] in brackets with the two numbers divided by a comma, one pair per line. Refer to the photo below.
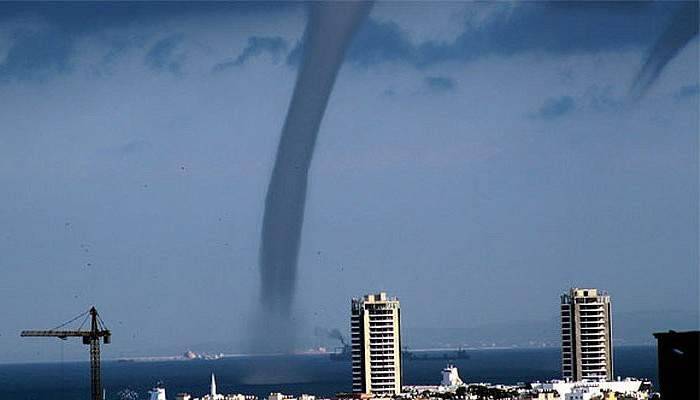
[328,33]
[681,30]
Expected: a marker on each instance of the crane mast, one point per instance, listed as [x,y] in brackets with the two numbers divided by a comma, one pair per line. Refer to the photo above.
[92,338]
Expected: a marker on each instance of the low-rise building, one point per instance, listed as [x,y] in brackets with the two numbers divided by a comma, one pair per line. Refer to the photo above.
[630,387]
[583,393]
[540,395]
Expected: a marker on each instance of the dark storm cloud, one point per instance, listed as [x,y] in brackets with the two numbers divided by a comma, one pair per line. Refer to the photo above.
[440,83]
[40,53]
[555,28]
[374,43]
[555,107]
[163,55]
[256,46]
[259,45]
[87,17]
[378,42]
[36,55]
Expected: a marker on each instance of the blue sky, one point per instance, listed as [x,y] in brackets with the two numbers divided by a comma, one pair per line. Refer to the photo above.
[474,158]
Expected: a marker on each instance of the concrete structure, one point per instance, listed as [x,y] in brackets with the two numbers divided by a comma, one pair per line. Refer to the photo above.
[582,393]
[449,383]
[544,395]
[353,396]
[157,393]
[581,389]
[450,377]
[586,333]
[375,329]
[678,364]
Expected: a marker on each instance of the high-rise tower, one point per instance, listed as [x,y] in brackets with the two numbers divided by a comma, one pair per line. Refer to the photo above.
[586,333]
[375,327]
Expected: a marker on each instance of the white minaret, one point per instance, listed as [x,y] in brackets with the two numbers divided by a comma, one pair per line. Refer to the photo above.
[213,386]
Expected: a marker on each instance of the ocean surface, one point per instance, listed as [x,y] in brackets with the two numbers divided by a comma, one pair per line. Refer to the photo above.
[313,374]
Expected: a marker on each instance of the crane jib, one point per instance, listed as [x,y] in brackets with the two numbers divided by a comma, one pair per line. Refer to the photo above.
[65,334]
[91,338]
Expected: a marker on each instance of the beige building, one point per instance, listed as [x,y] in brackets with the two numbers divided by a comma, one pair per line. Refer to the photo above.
[547,395]
[586,332]
[375,330]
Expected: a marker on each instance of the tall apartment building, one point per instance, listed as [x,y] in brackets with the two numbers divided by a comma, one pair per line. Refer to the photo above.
[586,333]
[375,330]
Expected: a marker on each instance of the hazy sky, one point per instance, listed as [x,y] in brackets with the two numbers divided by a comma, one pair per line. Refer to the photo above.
[475,160]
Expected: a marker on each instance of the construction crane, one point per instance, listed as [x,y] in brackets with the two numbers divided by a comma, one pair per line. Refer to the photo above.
[92,337]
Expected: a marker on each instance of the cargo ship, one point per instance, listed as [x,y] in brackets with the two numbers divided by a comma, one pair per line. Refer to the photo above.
[459,354]
[345,354]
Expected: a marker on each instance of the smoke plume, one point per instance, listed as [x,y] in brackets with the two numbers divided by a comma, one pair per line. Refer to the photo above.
[331,334]
[328,33]
[681,30]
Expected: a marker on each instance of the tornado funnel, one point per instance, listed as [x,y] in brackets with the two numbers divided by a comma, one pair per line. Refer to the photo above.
[329,31]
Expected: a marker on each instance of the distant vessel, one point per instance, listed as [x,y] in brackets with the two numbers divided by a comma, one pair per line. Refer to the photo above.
[191,355]
[345,354]
[460,354]
[342,353]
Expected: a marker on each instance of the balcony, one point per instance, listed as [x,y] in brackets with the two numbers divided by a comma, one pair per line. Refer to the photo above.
[593,362]
[592,355]
[593,367]
[592,345]
[592,332]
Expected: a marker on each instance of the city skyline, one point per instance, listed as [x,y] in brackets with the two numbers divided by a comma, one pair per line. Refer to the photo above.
[376,362]
[492,156]
[546,335]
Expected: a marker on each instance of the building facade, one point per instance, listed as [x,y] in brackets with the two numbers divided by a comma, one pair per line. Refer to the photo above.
[375,328]
[679,364]
[586,332]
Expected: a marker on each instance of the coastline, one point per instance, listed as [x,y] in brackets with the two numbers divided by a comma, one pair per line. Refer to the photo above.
[180,358]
